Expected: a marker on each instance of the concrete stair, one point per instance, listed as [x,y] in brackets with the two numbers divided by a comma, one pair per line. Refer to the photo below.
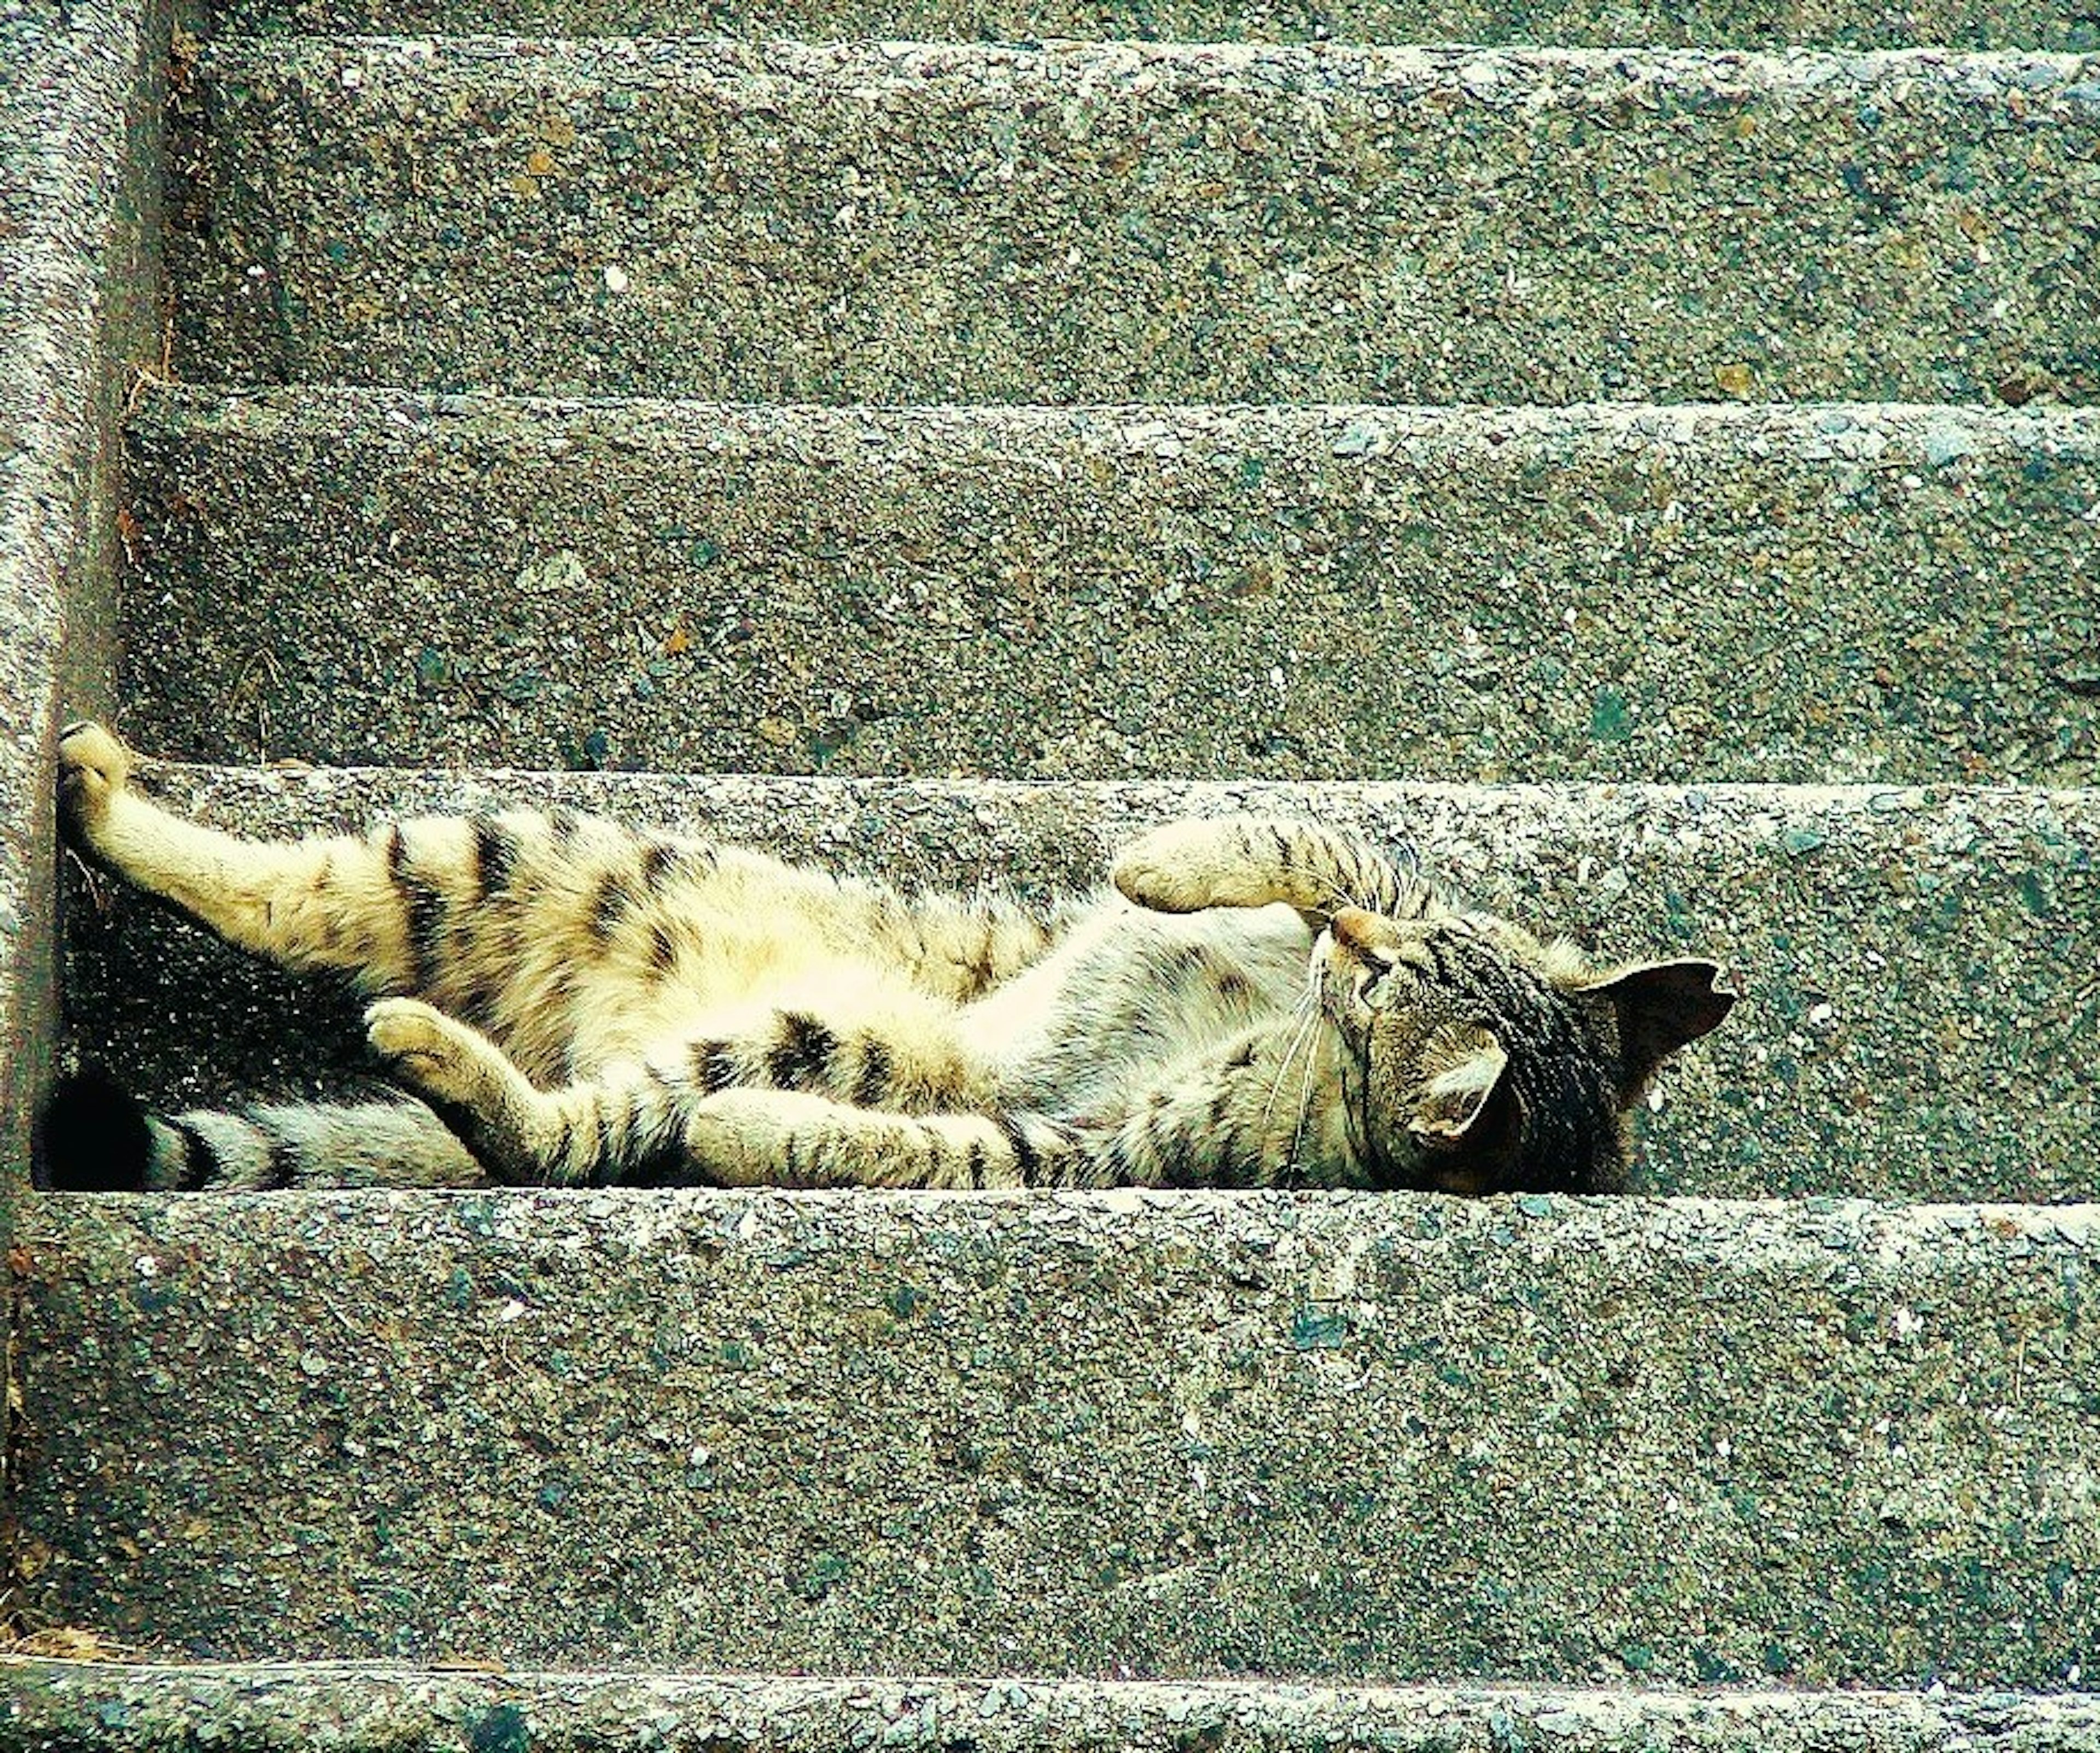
[959,453]
[1682,594]
[1339,1436]
[854,222]
[2043,24]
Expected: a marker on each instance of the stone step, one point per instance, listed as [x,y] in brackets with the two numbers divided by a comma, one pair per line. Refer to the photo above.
[1342,1437]
[2044,24]
[144,1708]
[1837,593]
[1921,968]
[1080,223]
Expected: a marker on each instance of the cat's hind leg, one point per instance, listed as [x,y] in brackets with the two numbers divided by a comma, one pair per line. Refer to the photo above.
[612,1128]
[655,1121]
[370,906]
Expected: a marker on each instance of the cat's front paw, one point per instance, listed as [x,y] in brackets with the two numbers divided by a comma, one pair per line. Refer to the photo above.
[93,767]
[1164,871]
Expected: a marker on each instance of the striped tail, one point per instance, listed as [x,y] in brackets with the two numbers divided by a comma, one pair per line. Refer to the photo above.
[94,1136]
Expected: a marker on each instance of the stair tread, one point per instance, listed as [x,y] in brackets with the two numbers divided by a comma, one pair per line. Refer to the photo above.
[845,222]
[1605,24]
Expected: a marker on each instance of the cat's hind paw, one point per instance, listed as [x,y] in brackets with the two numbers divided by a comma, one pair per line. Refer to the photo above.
[94,766]
[428,1050]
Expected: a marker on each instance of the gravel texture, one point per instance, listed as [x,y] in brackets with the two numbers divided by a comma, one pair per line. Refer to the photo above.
[78,278]
[1085,222]
[1356,1437]
[48,1707]
[1600,24]
[1683,594]
[1922,969]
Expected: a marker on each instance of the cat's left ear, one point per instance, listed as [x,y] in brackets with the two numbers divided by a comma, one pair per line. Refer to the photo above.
[1660,1007]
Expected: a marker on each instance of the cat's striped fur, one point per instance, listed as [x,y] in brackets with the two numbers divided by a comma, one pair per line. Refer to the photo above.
[1255,1002]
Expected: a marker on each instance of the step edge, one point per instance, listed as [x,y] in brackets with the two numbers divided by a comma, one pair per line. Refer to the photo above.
[106,1670]
[1849,797]
[1677,1221]
[323,405]
[1789,69]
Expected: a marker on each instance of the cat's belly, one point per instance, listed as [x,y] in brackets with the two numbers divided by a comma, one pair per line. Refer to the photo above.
[1132,991]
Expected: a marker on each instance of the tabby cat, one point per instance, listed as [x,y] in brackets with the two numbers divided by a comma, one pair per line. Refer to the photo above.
[1256,1002]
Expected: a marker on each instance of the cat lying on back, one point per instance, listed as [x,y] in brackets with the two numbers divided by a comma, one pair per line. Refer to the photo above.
[1255,1003]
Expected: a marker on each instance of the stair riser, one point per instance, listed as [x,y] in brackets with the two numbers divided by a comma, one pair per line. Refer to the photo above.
[1082,224]
[1918,975]
[1893,594]
[1370,1437]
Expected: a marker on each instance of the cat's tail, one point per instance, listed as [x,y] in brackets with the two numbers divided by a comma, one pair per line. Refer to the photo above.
[94,1136]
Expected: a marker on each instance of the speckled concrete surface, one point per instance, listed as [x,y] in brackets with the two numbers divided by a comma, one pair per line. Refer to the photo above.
[78,297]
[1922,969]
[1676,594]
[1081,223]
[49,1706]
[1600,24]
[1369,1437]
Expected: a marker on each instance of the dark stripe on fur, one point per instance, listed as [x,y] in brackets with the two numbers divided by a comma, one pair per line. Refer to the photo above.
[282,1169]
[663,952]
[422,909]
[657,858]
[714,1067]
[200,1166]
[1025,1162]
[872,1084]
[495,855]
[801,1059]
[656,1154]
[608,904]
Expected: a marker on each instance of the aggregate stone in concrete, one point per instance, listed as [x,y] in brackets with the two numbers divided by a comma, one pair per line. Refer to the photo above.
[79,97]
[1921,969]
[1357,1437]
[1600,24]
[1086,222]
[1675,594]
[47,1706]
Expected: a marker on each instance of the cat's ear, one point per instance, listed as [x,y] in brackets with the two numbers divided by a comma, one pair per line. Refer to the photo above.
[1660,1007]
[1465,1098]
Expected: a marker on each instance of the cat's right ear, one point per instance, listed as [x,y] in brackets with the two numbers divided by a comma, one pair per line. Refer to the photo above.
[1466,1097]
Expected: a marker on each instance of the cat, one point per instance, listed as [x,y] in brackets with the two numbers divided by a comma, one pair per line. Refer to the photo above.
[1252,1003]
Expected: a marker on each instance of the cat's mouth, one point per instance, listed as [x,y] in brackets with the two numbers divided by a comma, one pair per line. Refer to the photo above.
[1339,983]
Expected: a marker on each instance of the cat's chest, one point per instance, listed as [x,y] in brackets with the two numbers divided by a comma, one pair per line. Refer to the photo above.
[1132,992]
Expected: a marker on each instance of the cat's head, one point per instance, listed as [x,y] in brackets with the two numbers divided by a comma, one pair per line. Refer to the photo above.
[1479,1060]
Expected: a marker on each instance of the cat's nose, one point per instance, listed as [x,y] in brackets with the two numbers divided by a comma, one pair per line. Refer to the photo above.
[1356,932]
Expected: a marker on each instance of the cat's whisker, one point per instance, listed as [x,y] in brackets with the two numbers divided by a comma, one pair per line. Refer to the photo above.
[1304,1101]
[1298,1037]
